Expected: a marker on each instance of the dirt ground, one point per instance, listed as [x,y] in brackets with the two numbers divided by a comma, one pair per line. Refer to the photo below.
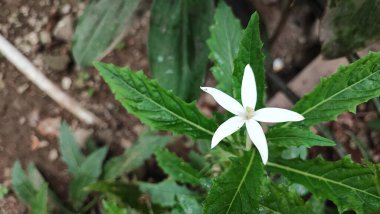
[29,120]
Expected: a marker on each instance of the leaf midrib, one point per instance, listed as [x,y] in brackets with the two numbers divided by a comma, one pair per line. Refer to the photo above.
[329,98]
[320,178]
[242,180]
[165,109]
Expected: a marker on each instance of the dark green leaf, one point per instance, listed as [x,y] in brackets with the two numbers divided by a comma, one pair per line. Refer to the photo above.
[226,33]
[111,207]
[349,26]
[155,106]
[292,136]
[177,168]
[164,193]
[282,199]
[250,53]
[69,149]
[89,172]
[99,25]
[349,185]
[238,189]
[134,156]
[177,44]
[350,86]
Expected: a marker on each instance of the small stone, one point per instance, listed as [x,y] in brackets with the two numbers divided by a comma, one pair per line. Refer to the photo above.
[45,37]
[53,155]
[138,129]
[33,118]
[32,38]
[22,88]
[66,83]
[64,29]
[82,135]
[125,143]
[22,120]
[24,10]
[65,9]
[278,65]
[57,62]
[49,126]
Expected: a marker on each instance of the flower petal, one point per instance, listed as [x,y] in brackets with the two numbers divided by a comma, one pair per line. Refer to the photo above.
[223,99]
[248,88]
[256,134]
[227,128]
[276,115]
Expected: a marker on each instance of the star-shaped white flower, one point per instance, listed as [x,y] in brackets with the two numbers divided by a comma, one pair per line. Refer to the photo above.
[246,114]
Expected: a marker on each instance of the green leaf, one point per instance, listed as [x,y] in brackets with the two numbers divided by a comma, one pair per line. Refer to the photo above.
[282,199]
[349,185]
[226,33]
[250,53]
[177,44]
[350,86]
[39,203]
[292,136]
[164,193]
[189,204]
[27,192]
[3,191]
[89,172]
[69,149]
[350,25]
[238,189]
[111,207]
[153,105]
[99,25]
[22,185]
[134,157]
[176,167]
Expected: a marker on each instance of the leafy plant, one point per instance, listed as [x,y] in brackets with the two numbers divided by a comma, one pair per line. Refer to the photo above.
[99,28]
[242,184]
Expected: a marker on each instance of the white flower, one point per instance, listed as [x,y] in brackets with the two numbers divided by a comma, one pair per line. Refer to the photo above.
[246,114]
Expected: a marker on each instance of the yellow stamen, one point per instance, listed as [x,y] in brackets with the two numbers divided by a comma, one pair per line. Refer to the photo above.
[250,112]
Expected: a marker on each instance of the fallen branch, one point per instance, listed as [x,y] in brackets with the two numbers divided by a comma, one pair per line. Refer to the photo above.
[42,82]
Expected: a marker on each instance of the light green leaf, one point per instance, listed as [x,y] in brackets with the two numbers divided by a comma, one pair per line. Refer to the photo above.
[111,207]
[154,105]
[226,33]
[134,157]
[292,136]
[345,28]
[350,86]
[69,149]
[349,185]
[177,168]
[177,44]
[281,199]
[238,189]
[89,172]
[39,203]
[99,25]
[3,191]
[164,193]
[250,53]
[189,204]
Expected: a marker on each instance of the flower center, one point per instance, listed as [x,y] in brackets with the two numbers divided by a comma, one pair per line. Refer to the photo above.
[250,112]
